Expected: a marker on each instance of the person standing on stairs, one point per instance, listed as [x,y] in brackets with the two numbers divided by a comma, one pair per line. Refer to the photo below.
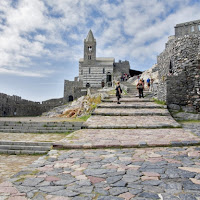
[140,87]
[118,92]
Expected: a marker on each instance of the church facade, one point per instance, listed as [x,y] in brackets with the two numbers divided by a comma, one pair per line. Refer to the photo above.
[94,72]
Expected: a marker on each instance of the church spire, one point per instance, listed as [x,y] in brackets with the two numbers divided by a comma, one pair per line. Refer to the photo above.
[90,37]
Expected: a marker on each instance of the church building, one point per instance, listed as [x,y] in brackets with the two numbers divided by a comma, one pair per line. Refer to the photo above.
[93,71]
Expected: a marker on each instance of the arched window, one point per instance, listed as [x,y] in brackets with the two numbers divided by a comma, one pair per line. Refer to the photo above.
[89,57]
[103,70]
[71,98]
[90,48]
[87,85]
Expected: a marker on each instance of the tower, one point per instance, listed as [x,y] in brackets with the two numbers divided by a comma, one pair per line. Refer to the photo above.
[89,48]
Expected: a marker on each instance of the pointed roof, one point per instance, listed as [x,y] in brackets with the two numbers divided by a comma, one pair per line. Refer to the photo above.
[90,37]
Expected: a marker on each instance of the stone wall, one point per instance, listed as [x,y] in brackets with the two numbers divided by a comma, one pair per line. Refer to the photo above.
[184,89]
[187,28]
[73,90]
[16,106]
[95,73]
[179,73]
[121,67]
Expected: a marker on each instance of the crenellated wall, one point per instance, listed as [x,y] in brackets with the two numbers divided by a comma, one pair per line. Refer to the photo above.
[16,106]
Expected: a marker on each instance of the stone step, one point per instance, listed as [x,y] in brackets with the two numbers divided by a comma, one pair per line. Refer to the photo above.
[32,148]
[17,152]
[37,128]
[130,112]
[41,124]
[137,105]
[130,122]
[34,131]
[124,99]
[16,147]
[22,143]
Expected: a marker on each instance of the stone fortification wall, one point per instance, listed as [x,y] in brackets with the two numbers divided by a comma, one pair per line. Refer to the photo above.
[53,102]
[121,67]
[187,28]
[16,106]
[179,73]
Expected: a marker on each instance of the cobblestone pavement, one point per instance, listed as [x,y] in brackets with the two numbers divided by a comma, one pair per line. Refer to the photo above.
[92,138]
[194,127]
[30,137]
[11,164]
[116,174]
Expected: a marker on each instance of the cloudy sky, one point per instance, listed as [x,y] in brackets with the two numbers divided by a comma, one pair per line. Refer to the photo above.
[41,41]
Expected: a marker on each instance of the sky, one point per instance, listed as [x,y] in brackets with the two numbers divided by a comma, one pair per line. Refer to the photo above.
[41,41]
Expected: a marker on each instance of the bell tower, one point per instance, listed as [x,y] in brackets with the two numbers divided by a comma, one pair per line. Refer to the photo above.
[89,48]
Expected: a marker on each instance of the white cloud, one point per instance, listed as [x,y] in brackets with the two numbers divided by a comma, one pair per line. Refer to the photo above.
[54,30]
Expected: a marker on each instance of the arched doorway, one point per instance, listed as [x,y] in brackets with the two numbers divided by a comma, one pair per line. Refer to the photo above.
[87,85]
[71,98]
[102,83]
[109,79]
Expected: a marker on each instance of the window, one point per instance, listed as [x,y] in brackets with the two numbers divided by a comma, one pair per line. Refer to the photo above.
[89,70]
[90,48]
[89,57]
[81,72]
[192,28]
[199,27]
[103,70]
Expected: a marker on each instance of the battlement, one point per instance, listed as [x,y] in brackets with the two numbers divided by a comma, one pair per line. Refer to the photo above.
[187,28]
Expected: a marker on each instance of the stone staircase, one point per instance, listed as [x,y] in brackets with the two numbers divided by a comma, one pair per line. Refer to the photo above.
[13,147]
[133,123]
[38,127]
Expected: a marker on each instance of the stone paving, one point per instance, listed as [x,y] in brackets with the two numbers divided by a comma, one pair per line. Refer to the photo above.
[130,111]
[131,122]
[115,174]
[92,138]
[30,137]
[165,173]
[11,164]
[194,127]
[130,105]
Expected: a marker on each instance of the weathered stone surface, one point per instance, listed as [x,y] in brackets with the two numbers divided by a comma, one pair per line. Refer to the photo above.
[32,181]
[118,190]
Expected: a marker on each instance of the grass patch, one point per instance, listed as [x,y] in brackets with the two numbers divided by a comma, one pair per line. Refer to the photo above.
[85,117]
[188,121]
[159,102]
[112,92]
[124,92]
